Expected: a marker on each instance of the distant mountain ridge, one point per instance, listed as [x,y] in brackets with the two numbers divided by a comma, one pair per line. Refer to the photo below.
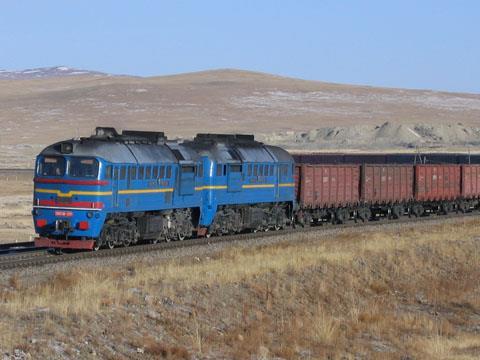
[47,72]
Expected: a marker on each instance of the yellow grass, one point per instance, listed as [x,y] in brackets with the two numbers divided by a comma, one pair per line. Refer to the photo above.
[354,292]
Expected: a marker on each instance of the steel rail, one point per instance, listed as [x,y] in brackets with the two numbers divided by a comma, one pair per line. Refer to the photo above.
[47,258]
[17,245]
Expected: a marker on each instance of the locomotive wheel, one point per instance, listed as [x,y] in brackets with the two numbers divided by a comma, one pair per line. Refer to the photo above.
[208,235]
[96,246]
[168,238]
[180,237]
[155,240]
[277,227]
[110,244]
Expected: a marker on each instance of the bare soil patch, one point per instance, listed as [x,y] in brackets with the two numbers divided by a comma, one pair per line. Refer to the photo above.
[35,113]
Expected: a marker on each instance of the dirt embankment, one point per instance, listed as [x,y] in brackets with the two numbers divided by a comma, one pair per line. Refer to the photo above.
[385,137]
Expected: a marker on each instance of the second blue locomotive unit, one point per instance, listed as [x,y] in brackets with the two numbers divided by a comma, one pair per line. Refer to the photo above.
[114,189]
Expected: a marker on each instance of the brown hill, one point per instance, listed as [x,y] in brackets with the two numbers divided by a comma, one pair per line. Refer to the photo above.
[36,112]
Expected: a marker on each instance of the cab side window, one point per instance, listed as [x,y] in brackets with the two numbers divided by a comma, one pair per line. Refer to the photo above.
[200,170]
[133,173]
[108,172]
[236,168]
[188,169]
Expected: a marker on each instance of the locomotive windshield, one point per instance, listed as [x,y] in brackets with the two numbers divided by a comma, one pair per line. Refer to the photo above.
[51,166]
[83,167]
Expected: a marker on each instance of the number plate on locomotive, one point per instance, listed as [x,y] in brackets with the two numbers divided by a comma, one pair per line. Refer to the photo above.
[63,213]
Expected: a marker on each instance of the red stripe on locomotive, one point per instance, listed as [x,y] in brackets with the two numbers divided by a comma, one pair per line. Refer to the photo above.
[76,204]
[70,181]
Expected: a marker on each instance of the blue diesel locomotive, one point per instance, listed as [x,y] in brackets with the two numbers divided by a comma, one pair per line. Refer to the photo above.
[114,189]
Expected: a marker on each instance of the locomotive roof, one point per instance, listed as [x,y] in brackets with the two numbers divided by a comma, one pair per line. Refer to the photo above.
[151,147]
[115,152]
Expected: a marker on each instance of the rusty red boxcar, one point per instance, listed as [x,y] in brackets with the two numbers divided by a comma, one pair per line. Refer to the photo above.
[324,186]
[384,184]
[470,181]
[437,182]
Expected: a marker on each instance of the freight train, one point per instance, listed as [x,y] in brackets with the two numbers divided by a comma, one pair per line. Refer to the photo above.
[117,189]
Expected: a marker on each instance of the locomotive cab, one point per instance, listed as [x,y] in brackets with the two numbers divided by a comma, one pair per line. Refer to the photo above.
[69,195]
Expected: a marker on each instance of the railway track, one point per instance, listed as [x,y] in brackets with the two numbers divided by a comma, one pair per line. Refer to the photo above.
[16,245]
[17,248]
[40,257]
[16,252]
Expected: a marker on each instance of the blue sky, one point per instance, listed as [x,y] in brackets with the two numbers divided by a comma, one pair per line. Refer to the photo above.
[413,44]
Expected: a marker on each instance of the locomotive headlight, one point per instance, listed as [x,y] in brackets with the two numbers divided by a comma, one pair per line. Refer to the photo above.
[66,148]
[89,214]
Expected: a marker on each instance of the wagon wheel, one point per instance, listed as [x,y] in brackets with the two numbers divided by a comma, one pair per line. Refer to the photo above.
[462,206]
[446,208]
[397,211]
[364,214]
[417,210]
[127,241]
[340,216]
[155,240]
[208,235]
[97,245]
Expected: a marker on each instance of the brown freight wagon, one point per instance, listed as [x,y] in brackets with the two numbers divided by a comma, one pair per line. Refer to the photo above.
[387,184]
[437,182]
[470,181]
[327,186]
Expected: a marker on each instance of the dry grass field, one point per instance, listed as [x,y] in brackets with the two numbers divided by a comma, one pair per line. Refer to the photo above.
[16,222]
[407,292]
